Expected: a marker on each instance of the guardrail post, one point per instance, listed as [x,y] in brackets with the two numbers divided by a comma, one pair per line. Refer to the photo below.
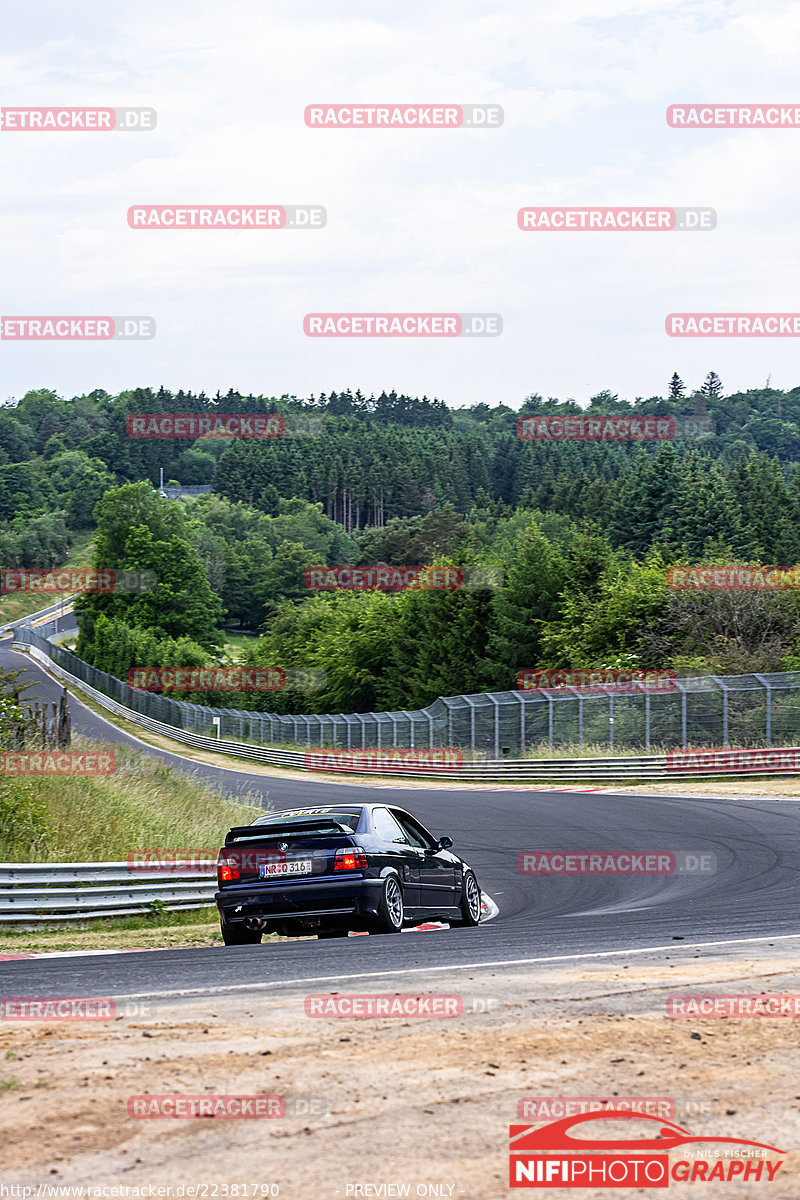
[575,691]
[724,690]
[768,688]
[550,719]
[684,740]
[643,688]
[496,704]
[410,716]
[471,721]
[430,719]
[610,695]
[521,699]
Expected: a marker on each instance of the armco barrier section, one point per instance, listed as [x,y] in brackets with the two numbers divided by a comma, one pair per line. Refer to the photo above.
[572,770]
[37,892]
[52,610]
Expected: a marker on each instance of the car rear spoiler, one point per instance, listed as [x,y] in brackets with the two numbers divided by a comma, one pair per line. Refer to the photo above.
[285,829]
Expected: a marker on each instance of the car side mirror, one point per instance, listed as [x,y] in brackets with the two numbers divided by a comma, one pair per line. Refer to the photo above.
[444,843]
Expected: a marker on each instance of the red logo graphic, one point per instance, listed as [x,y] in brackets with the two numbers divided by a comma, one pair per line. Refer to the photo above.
[551,1156]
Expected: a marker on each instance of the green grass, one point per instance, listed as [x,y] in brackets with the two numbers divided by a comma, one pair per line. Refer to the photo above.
[236,642]
[144,804]
[173,930]
[22,604]
[594,750]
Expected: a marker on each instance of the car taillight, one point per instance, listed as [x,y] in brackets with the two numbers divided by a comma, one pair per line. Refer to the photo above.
[350,858]
[227,869]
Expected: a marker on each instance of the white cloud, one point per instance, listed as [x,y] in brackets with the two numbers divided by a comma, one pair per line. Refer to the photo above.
[416,220]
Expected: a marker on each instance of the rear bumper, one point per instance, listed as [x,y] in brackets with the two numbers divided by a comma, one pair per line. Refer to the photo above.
[334,899]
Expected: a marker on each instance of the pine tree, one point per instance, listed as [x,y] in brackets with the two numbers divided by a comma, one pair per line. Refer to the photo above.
[676,387]
[712,385]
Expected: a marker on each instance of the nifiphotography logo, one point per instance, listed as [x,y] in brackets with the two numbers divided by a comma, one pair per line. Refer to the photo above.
[553,1156]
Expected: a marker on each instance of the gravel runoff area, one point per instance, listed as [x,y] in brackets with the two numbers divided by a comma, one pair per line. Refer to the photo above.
[380,1104]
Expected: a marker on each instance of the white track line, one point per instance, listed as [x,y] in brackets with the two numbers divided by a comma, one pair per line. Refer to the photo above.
[473,966]
[490,911]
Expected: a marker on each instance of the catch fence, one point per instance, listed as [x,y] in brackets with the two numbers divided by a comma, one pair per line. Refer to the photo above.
[712,710]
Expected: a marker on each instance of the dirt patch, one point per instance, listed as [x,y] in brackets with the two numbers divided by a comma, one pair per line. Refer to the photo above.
[379,1100]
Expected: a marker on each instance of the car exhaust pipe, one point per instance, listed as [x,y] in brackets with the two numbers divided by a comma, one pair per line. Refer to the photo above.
[254,923]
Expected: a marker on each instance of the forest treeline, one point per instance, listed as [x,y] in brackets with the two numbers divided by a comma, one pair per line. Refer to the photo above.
[579,533]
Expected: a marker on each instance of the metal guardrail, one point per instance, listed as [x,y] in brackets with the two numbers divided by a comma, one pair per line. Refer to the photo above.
[38,892]
[36,616]
[552,770]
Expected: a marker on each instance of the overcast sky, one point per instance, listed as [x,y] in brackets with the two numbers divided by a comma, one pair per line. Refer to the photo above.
[417,220]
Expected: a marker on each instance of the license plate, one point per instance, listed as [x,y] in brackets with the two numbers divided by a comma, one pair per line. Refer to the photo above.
[300,866]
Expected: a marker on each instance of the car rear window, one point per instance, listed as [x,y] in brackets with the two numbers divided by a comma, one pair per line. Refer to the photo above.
[347,819]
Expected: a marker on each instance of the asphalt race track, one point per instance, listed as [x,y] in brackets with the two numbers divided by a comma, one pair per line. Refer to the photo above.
[753,894]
